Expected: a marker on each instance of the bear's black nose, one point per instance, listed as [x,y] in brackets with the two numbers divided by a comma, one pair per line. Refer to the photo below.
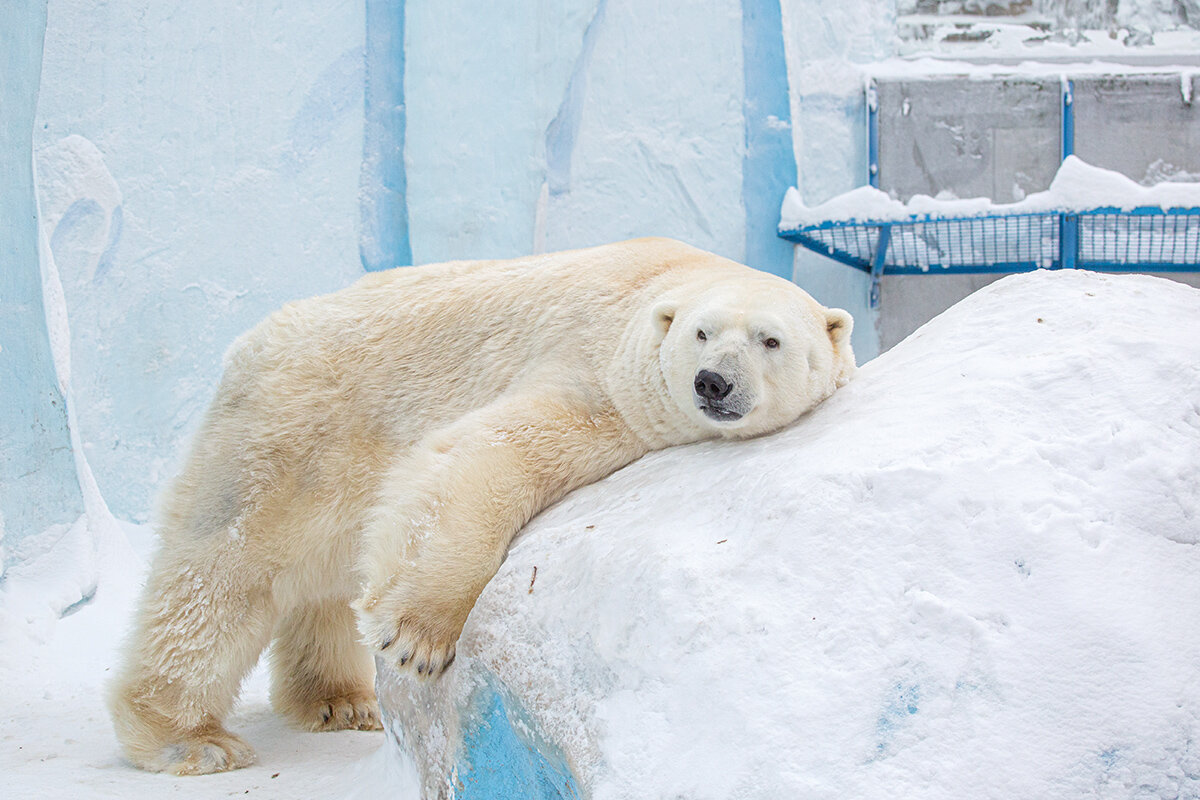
[711,386]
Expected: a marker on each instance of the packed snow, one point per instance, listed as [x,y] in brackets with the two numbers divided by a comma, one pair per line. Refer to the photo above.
[973,572]
[1077,186]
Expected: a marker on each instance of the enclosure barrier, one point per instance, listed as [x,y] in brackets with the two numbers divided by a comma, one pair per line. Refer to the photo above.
[1145,239]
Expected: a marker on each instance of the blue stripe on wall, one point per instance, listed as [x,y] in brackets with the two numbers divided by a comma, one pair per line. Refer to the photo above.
[769,164]
[385,240]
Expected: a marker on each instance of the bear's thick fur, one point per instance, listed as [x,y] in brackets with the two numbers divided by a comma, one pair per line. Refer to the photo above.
[370,454]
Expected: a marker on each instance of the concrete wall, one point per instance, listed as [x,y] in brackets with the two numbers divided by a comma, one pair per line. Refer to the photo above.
[997,139]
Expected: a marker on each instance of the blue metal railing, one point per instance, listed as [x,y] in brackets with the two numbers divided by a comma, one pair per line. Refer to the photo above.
[1108,239]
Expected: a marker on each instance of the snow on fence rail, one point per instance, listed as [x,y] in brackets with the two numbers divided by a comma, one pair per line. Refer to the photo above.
[1090,218]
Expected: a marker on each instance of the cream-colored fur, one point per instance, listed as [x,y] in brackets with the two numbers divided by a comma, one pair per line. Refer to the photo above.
[381,446]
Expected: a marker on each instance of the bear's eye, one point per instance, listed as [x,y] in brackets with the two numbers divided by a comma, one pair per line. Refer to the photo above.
[700,335]
[771,344]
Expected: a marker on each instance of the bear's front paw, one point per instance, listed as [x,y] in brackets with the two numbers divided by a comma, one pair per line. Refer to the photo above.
[353,711]
[415,636]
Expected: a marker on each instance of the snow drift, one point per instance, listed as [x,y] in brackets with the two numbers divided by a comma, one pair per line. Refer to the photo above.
[971,573]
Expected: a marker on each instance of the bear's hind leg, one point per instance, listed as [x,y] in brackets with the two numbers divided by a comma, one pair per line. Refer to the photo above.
[322,677]
[201,627]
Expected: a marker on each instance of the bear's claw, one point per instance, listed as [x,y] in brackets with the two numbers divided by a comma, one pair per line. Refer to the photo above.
[413,632]
[422,654]
[353,712]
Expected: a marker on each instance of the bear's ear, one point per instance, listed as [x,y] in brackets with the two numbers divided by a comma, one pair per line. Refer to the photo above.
[839,324]
[663,316]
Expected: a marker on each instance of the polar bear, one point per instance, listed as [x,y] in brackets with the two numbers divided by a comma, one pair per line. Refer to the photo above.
[370,454]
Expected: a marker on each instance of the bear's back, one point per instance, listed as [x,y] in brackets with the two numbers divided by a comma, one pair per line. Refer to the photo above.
[427,344]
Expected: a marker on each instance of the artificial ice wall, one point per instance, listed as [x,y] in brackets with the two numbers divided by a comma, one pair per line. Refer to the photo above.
[187,168]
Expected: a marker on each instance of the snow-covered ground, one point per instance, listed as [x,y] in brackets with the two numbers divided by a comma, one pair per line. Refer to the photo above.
[973,572]
[55,737]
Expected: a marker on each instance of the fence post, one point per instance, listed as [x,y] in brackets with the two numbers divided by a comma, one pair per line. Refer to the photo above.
[881,248]
[1068,224]
[1068,241]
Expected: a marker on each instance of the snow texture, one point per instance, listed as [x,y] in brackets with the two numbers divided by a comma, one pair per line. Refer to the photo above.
[973,572]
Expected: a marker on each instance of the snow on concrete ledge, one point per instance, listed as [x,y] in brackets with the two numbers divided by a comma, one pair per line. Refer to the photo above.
[973,572]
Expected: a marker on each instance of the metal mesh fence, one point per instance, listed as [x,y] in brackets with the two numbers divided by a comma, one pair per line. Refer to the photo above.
[1114,239]
[1018,242]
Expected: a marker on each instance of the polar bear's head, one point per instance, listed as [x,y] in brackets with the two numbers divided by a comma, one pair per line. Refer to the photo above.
[744,357]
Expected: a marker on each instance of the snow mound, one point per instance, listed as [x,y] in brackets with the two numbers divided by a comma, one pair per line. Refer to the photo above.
[973,572]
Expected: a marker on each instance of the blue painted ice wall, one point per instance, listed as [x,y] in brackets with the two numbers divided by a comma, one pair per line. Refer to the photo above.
[38,486]
[484,82]
[198,166]
[569,124]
